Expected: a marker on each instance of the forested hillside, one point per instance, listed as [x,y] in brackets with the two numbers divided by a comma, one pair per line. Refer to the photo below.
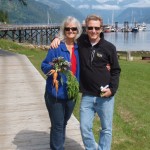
[32,13]
[40,11]
[35,12]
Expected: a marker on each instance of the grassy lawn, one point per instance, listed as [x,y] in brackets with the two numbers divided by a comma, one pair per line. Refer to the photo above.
[131,128]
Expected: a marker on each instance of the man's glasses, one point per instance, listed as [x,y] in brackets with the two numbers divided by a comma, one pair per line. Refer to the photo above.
[91,28]
[72,28]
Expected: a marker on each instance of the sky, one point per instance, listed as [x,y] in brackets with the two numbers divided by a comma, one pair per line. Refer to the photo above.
[138,3]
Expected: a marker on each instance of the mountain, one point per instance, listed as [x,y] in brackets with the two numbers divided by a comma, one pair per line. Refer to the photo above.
[34,12]
[40,11]
[132,15]
[114,10]
[63,8]
[37,12]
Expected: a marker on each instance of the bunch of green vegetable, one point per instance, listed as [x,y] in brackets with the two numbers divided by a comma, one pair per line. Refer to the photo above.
[72,86]
[61,65]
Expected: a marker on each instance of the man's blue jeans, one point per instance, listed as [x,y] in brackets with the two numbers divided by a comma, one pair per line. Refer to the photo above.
[104,108]
[59,112]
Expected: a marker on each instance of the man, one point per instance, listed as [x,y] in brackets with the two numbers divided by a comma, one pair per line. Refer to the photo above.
[98,85]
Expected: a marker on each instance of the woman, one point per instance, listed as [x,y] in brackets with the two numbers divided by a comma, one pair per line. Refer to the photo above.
[59,106]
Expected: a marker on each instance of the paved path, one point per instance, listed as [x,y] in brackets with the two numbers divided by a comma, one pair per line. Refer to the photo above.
[24,121]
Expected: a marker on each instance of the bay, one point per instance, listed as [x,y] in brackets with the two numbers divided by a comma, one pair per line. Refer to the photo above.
[130,41]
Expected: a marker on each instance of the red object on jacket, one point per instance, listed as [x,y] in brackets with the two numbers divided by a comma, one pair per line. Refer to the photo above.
[73,62]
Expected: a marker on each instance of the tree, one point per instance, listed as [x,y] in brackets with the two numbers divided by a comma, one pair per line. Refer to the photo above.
[3,16]
[24,2]
[4,3]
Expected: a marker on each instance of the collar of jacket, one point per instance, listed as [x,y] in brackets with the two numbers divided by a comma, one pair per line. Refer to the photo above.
[87,41]
[64,48]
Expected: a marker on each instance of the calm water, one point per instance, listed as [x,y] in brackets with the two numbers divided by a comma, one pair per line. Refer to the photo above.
[128,41]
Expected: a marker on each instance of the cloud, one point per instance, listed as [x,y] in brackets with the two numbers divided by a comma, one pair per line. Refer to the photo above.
[107,7]
[140,3]
[101,1]
[84,6]
[98,7]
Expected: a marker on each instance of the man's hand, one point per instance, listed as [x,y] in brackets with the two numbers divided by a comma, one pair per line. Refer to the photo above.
[55,43]
[106,92]
[108,67]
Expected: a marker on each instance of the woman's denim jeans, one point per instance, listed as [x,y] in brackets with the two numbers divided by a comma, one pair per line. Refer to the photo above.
[59,112]
[104,108]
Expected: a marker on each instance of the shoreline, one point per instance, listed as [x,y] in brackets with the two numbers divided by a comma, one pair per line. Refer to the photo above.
[134,55]
[129,55]
[135,52]
[46,47]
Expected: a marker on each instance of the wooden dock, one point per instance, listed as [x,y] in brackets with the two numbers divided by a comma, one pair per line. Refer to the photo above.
[34,34]
[24,121]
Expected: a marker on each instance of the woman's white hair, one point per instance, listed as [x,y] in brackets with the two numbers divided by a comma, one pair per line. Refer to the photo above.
[66,21]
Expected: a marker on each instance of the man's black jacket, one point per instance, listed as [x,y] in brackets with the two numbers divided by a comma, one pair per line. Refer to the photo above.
[93,61]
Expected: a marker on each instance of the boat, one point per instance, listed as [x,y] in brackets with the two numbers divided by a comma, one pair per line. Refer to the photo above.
[139,27]
[113,29]
[107,28]
[135,29]
[124,29]
[142,27]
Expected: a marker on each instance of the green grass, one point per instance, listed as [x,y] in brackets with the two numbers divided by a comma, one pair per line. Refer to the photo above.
[131,127]
[131,119]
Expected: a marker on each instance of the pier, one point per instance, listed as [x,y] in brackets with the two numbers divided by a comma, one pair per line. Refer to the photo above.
[34,34]
[42,35]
